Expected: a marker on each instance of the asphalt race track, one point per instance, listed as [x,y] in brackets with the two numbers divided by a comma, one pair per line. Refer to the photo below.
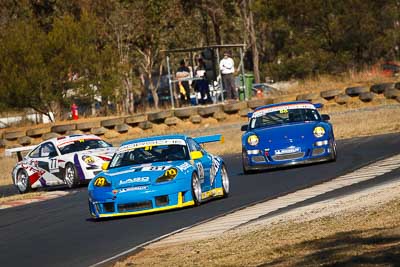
[60,232]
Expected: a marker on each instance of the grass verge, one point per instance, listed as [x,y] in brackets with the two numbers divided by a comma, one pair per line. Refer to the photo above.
[366,234]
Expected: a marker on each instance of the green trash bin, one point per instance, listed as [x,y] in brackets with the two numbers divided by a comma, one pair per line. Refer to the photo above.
[248,81]
[246,87]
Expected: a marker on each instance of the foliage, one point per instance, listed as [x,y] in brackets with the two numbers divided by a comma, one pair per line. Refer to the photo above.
[114,48]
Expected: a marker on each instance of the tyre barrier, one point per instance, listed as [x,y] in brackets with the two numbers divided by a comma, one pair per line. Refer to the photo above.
[308,97]
[391,93]
[135,119]
[366,96]
[330,94]
[355,91]
[209,110]
[342,99]
[62,129]
[140,123]
[184,113]
[381,87]
[160,116]
[111,123]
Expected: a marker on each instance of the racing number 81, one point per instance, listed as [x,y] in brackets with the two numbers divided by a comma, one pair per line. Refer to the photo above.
[101,181]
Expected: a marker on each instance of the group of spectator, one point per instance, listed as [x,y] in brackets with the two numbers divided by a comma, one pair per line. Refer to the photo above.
[201,84]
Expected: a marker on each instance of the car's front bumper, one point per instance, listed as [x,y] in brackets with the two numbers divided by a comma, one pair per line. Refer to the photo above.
[105,202]
[113,209]
[262,162]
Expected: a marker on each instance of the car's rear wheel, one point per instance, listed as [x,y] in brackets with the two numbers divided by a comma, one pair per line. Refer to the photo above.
[71,176]
[225,181]
[196,189]
[22,182]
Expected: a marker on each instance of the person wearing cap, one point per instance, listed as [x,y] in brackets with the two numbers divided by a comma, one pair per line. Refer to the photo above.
[227,68]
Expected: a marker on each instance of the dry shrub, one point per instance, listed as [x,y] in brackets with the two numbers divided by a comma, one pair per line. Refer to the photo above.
[6,166]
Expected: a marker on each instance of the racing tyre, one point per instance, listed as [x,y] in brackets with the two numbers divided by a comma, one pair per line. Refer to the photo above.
[22,182]
[71,176]
[196,189]
[244,167]
[334,152]
[225,181]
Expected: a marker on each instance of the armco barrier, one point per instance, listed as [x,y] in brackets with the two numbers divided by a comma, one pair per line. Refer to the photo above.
[140,123]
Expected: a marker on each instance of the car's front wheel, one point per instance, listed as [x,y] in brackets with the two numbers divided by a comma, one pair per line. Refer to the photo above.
[196,189]
[334,152]
[22,182]
[71,176]
[244,165]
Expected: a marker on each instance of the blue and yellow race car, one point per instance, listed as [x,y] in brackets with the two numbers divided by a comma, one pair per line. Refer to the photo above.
[156,174]
[286,134]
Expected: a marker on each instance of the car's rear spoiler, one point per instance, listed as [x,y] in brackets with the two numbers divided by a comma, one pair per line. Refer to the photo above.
[209,138]
[18,150]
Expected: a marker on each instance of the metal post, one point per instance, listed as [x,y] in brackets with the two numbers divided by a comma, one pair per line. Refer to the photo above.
[170,84]
[220,77]
[243,78]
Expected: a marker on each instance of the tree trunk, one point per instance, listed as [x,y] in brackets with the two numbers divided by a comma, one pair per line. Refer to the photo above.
[248,21]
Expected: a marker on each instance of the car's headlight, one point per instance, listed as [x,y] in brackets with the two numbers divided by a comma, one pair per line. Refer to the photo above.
[88,159]
[252,140]
[101,182]
[319,131]
[168,175]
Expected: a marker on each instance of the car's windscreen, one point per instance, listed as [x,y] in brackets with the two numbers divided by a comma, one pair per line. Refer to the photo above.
[83,144]
[284,116]
[149,154]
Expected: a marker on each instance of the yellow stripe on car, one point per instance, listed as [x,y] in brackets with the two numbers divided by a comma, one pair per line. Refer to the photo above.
[179,205]
[212,193]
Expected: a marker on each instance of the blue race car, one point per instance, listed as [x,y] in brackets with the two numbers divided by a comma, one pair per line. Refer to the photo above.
[156,174]
[286,134]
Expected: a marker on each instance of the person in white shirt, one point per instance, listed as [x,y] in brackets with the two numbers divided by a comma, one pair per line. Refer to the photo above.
[227,67]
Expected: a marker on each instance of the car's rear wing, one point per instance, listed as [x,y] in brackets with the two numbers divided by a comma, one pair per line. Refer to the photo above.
[209,138]
[18,150]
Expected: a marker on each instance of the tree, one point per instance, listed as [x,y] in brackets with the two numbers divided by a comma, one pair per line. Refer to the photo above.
[25,80]
[36,67]
[248,21]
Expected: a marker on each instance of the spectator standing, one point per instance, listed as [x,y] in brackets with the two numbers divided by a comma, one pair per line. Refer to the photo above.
[183,86]
[227,68]
[201,86]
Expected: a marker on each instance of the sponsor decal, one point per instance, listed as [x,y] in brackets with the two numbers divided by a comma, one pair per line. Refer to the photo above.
[281,109]
[152,143]
[141,169]
[214,169]
[134,180]
[70,140]
[136,188]
[291,149]
[184,166]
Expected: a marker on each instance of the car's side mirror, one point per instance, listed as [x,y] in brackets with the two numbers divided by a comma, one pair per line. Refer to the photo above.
[244,128]
[196,155]
[104,166]
[325,117]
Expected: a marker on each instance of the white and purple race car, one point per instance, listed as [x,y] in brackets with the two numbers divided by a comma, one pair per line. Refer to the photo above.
[69,160]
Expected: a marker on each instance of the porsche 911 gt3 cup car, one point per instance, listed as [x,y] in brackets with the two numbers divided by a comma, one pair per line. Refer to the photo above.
[286,134]
[68,160]
[156,174]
